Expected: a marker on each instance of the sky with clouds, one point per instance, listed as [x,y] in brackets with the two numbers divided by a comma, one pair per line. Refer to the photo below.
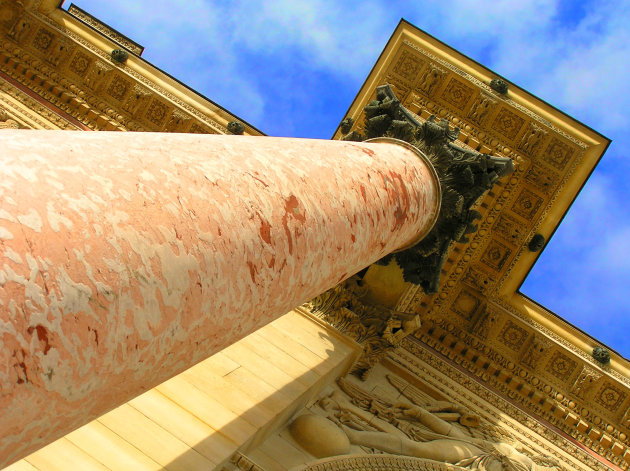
[292,68]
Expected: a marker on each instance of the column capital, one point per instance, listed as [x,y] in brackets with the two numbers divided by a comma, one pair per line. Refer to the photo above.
[464,175]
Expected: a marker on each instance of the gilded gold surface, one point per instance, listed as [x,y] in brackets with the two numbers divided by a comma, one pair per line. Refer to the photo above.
[479,319]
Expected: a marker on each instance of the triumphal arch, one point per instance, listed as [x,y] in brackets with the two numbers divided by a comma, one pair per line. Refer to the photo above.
[193,294]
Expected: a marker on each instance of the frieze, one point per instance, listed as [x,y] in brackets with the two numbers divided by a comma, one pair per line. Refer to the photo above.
[205,121]
[118,87]
[509,229]
[20,31]
[507,123]
[467,304]
[527,204]
[558,154]
[610,396]
[513,336]
[487,88]
[106,31]
[496,255]
[535,351]
[531,142]
[33,110]
[430,79]
[482,107]
[58,90]
[515,382]
[463,388]
[479,279]
[542,178]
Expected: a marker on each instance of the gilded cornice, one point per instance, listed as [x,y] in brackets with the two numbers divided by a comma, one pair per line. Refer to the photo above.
[102,28]
[434,368]
[69,64]
[28,112]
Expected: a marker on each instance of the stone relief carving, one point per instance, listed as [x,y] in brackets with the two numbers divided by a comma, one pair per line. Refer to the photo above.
[535,351]
[465,176]
[377,328]
[430,78]
[96,74]
[6,122]
[136,100]
[423,428]
[20,30]
[585,381]
[425,364]
[532,139]
[480,108]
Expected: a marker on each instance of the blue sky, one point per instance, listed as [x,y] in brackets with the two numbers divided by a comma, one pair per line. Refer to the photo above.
[291,68]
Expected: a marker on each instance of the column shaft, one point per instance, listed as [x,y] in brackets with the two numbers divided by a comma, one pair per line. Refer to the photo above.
[126,258]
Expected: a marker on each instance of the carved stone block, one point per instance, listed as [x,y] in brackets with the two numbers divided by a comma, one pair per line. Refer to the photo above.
[513,336]
[558,153]
[478,279]
[610,396]
[481,108]
[43,39]
[485,322]
[96,74]
[496,255]
[467,304]
[535,351]
[118,87]
[509,229]
[177,122]
[542,178]
[527,204]
[585,381]
[430,78]
[21,30]
[408,66]
[136,100]
[80,63]
[58,51]
[457,94]
[532,139]
[507,123]
[561,366]
[157,112]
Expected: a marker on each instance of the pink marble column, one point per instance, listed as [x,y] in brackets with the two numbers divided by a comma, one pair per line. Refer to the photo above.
[127,258]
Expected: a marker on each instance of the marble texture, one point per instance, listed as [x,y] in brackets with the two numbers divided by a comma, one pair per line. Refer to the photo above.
[129,257]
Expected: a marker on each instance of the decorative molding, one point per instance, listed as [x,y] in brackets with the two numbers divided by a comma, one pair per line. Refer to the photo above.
[488,89]
[105,30]
[376,462]
[423,363]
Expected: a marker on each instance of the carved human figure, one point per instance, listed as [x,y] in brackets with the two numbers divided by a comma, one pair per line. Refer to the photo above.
[136,100]
[95,74]
[448,444]
[20,30]
[531,140]
[480,109]
[57,52]
[429,79]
